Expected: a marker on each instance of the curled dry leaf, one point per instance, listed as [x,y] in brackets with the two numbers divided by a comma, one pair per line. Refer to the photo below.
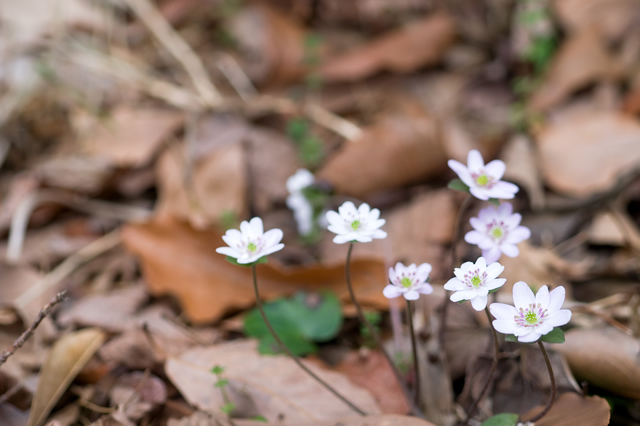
[581,60]
[178,260]
[401,147]
[610,17]
[271,386]
[605,357]
[407,49]
[66,358]
[572,409]
[588,154]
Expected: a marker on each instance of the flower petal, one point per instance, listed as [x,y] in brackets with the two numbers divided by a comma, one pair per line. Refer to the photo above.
[425,288]
[379,234]
[560,318]
[479,302]
[364,210]
[271,249]
[503,311]
[273,236]
[463,295]
[513,220]
[455,284]
[347,210]
[522,295]
[532,336]
[556,299]
[494,270]
[480,193]
[423,272]
[542,297]
[228,251]
[334,218]
[505,326]
[391,292]
[475,162]
[518,235]
[256,226]
[503,190]
[481,264]
[495,169]
[505,209]
[474,237]
[493,284]
[487,214]
[362,238]
[544,328]
[462,172]
[374,215]
[511,250]
[492,254]
[246,230]
[412,295]
[341,239]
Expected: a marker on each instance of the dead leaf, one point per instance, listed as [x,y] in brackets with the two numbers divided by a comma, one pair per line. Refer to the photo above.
[587,155]
[379,420]
[87,175]
[605,357]
[372,372]
[427,39]
[11,416]
[400,148]
[522,168]
[605,230]
[138,393]
[173,254]
[582,59]
[571,409]
[274,386]
[130,137]
[610,17]
[67,357]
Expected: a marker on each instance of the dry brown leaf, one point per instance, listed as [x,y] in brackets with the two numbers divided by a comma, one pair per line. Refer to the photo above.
[11,416]
[130,137]
[138,393]
[605,357]
[202,192]
[611,17]
[401,147]
[572,409]
[372,372]
[605,230]
[271,386]
[407,49]
[582,59]
[67,357]
[379,420]
[522,168]
[587,155]
[178,260]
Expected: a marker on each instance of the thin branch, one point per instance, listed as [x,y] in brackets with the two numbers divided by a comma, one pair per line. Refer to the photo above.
[29,331]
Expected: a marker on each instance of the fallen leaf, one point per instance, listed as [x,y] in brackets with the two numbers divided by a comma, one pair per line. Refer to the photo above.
[372,372]
[427,39]
[572,409]
[588,155]
[11,416]
[86,175]
[379,420]
[581,60]
[138,393]
[400,148]
[605,230]
[67,357]
[273,386]
[130,137]
[605,357]
[522,168]
[172,254]
[613,18]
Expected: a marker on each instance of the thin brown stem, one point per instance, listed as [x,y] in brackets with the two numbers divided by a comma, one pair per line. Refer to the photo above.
[376,337]
[416,367]
[29,331]
[494,365]
[291,355]
[454,262]
[553,385]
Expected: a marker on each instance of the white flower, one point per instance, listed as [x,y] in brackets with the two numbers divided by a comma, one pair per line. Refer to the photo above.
[252,243]
[408,281]
[298,203]
[474,281]
[484,180]
[533,316]
[497,231]
[361,225]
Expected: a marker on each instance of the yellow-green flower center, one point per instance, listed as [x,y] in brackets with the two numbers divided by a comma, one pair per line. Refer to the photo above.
[476,281]
[252,247]
[531,317]
[406,282]
[497,232]
[355,225]
[482,180]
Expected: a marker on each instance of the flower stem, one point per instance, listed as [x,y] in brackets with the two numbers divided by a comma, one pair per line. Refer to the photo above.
[454,261]
[376,337]
[494,365]
[553,385]
[291,355]
[416,367]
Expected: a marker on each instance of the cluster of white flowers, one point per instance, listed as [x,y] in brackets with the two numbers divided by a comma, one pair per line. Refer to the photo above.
[298,203]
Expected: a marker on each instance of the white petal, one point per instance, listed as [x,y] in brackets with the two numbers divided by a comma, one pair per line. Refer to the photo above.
[544,328]
[412,295]
[556,299]
[505,326]
[462,172]
[463,295]
[479,302]
[474,237]
[487,214]
[530,337]
[455,284]
[374,215]
[474,161]
[522,295]
[542,297]
[364,210]
[505,210]
[503,190]
[487,243]
[379,234]
[495,169]
[493,284]
[477,224]
[425,288]
[392,275]
[423,272]
[334,218]
[513,220]
[273,236]
[479,193]
[560,318]
[245,228]
[518,235]
[503,311]
[391,292]
[231,242]
[228,251]
[362,238]
[256,226]
[271,249]
[509,249]
[481,264]
[233,235]
[341,239]
[492,254]
[494,270]
[347,210]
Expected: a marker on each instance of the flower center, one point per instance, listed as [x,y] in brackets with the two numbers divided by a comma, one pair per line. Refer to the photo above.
[476,281]
[531,317]
[482,180]
[497,232]
[406,282]
[252,247]
[355,225]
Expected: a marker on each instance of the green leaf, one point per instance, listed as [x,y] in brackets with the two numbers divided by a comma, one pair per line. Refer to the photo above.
[217,369]
[221,383]
[297,129]
[495,202]
[296,343]
[554,336]
[503,419]
[510,338]
[228,407]
[458,185]
[494,290]
[233,261]
[259,418]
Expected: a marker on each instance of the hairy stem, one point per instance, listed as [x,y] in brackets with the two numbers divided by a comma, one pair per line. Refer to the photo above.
[376,337]
[553,385]
[291,355]
[494,365]
[416,367]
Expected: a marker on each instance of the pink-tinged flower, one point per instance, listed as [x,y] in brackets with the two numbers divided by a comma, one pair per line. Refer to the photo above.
[497,231]
[251,242]
[474,282]
[362,224]
[533,316]
[483,180]
[408,281]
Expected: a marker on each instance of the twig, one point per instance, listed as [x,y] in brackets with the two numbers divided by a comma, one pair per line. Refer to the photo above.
[29,331]
[9,393]
[414,347]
